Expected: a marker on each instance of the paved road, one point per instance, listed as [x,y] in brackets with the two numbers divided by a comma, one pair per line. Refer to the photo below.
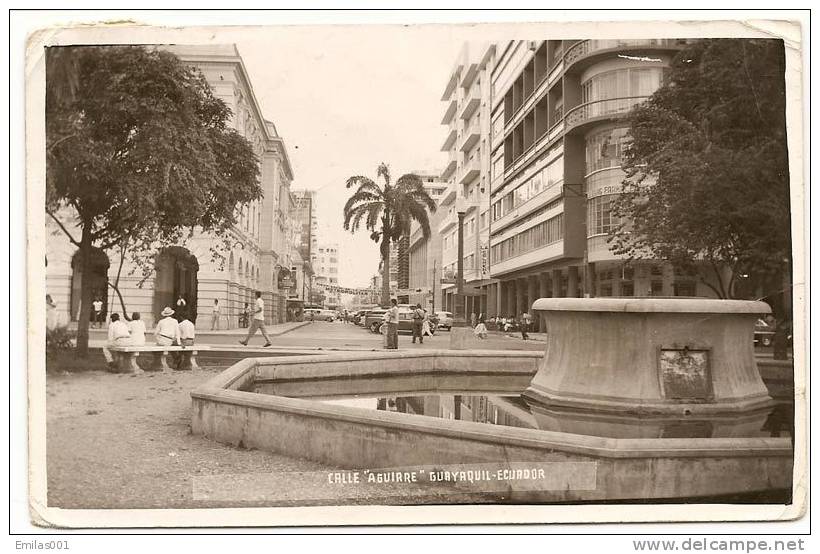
[322,334]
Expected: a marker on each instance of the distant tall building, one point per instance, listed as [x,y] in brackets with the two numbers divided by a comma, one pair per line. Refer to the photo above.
[305,215]
[326,267]
[424,254]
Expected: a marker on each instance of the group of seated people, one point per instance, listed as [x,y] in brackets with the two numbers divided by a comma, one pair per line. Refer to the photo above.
[170,331]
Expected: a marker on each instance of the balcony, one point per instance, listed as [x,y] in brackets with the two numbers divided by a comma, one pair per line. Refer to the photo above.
[452,163]
[470,136]
[470,171]
[452,82]
[449,140]
[471,104]
[596,110]
[451,111]
[587,48]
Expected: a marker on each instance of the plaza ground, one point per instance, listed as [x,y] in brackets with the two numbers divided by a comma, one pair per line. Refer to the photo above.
[124,441]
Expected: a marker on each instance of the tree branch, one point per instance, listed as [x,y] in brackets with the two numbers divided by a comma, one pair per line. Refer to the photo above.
[74,241]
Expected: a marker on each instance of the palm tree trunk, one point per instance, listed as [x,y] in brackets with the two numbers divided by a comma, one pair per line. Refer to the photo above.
[385,270]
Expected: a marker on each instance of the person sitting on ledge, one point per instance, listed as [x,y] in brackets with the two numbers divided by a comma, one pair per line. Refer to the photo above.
[167,331]
[118,335]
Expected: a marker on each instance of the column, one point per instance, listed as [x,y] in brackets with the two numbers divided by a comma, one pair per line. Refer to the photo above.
[532,291]
[500,299]
[572,281]
[511,286]
[520,297]
[556,284]
[544,285]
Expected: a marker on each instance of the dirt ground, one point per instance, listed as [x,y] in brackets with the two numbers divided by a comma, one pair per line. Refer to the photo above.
[124,441]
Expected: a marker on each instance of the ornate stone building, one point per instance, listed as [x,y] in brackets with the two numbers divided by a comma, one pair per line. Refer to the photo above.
[262,249]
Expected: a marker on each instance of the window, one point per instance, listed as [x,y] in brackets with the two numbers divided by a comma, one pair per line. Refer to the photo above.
[627,288]
[684,288]
[656,288]
[630,85]
[600,220]
[605,149]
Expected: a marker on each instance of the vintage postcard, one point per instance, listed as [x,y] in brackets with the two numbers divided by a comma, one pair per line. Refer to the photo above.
[372,274]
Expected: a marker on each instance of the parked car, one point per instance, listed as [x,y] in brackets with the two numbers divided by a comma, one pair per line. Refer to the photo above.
[373,319]
[764,333]
[327,315]
[445,320]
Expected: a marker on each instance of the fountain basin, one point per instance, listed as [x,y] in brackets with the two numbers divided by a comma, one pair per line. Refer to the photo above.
[304,424]
[674,356]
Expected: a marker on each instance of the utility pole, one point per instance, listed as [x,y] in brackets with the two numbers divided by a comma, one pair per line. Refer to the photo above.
[433,286]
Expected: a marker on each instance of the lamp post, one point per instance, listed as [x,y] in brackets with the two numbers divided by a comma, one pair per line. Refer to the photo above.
[460,319]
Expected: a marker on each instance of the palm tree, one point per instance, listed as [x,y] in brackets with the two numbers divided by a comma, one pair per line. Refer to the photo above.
[387,212]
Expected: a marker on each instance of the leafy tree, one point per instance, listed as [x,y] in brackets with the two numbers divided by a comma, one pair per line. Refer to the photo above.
[138,155]
[387,212]
[707,168]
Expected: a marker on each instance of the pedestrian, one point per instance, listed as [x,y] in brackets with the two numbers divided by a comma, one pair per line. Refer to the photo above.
[187,334]
[137,328]
[258,322]
[243,318]
[418,321]
[215,311]
[118,335]
[525,325]
[480,329]
[392,319]
[97,305]
[426,327]
[167,330]
[473,320]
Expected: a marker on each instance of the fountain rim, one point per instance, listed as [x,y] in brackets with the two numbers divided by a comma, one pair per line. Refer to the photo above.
[652,304]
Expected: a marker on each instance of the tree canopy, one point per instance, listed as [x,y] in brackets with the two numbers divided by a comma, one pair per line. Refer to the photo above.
[139,151]
[387,211]
[707,165]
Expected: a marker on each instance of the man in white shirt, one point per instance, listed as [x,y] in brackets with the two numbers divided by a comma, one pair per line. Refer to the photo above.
[167,331]
[258,321]
[215,315]
[97,305]
[118,335]
[391,317]
[187,333]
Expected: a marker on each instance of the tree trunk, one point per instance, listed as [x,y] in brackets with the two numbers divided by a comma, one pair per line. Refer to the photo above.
[86,294]
[385,271]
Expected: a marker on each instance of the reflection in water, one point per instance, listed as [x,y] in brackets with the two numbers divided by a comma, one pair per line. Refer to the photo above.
[514,411]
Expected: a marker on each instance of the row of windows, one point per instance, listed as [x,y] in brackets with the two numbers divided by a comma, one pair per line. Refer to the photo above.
[543,234]
[621,83]
[546,178]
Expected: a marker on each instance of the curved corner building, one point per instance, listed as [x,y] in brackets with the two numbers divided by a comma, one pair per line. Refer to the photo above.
[557,134]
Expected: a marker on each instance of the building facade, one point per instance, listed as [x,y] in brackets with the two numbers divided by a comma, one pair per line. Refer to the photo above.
[557,136]
[326,267]
[261,243]
[424,254]
[468,100]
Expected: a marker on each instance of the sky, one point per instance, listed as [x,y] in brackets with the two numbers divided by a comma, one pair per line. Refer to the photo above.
[345,99]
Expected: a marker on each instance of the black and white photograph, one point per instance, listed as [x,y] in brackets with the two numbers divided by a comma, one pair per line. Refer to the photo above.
[365,268]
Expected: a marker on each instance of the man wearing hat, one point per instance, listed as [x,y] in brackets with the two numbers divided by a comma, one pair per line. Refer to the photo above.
[167,331]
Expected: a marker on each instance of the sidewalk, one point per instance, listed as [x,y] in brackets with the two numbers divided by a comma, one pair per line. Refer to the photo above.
[202,335]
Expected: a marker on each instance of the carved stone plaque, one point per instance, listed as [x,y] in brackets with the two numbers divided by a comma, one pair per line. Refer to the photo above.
[685,374]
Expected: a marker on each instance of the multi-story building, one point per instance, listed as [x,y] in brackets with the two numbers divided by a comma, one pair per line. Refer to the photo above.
[424,263]
[259,242]
[326,267]
[468,98]
[557,135]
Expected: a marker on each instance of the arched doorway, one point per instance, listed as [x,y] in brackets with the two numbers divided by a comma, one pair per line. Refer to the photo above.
[176,276]
[99,281]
